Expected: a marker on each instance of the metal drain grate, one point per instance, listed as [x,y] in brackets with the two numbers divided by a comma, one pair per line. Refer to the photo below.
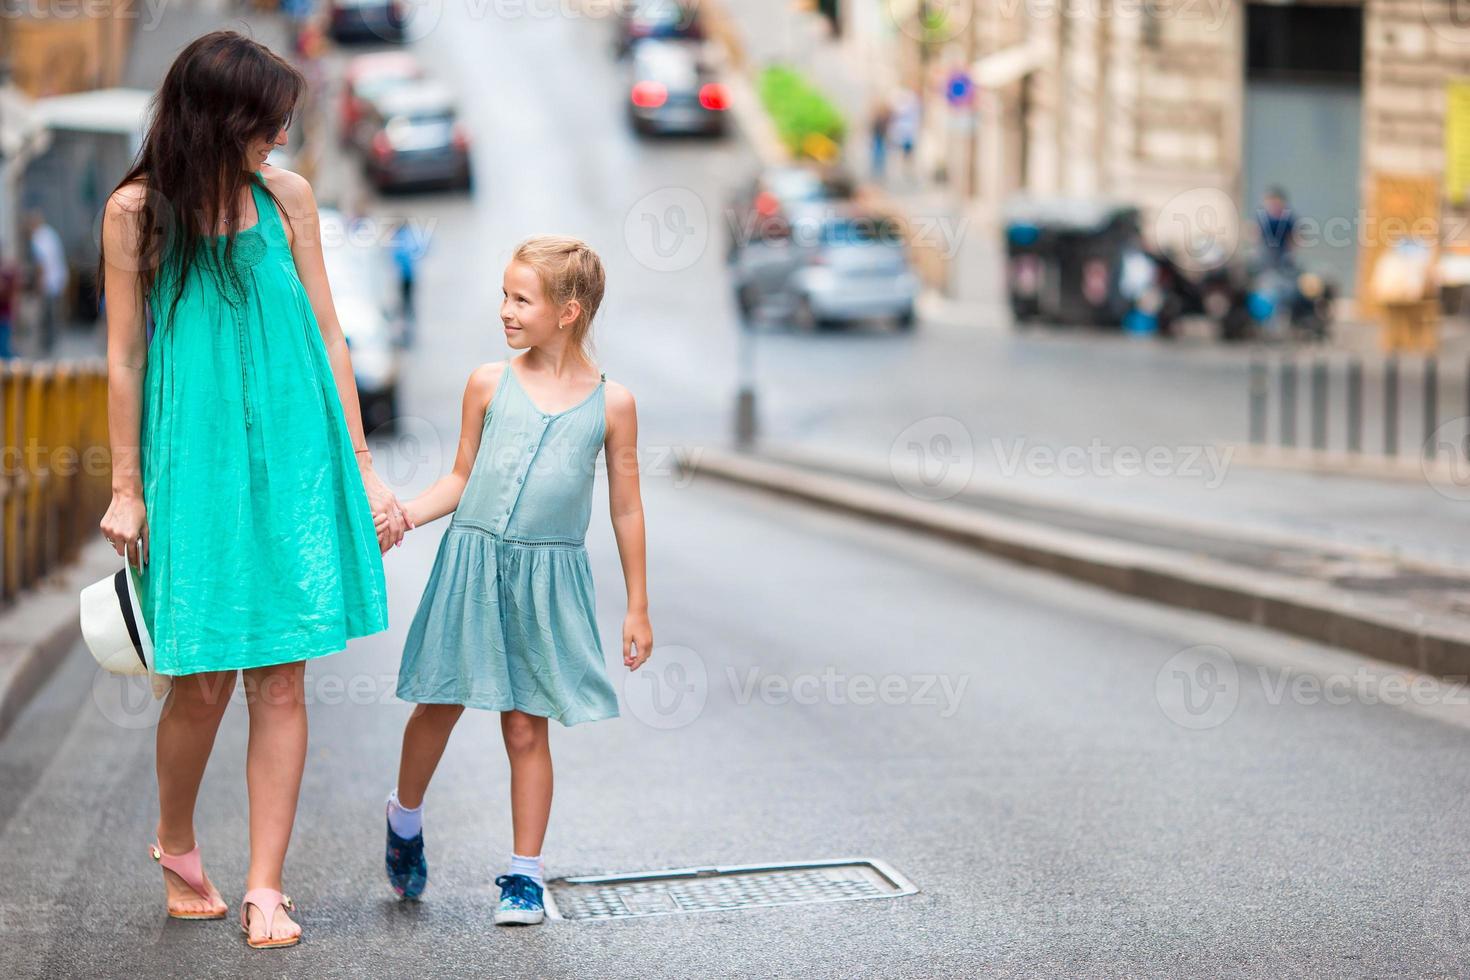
[744,886]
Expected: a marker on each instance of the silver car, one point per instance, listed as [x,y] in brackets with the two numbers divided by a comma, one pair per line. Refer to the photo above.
[359,274]
[824,270]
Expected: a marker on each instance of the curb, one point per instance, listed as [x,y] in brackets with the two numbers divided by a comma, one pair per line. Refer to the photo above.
[43,627]
[1408,466]
[1310,610]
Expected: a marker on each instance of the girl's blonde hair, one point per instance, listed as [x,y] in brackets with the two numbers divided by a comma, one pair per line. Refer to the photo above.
[568,270]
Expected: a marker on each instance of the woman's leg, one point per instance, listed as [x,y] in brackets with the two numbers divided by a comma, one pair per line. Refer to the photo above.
[276,697]
[186,729]
[424,739]
[529,749]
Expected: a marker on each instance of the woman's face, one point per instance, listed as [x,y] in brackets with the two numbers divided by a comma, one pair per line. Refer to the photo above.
[257,150]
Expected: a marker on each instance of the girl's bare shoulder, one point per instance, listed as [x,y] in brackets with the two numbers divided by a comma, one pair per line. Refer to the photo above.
[484,380]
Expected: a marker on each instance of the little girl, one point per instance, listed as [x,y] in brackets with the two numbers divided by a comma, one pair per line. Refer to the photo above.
[507,620]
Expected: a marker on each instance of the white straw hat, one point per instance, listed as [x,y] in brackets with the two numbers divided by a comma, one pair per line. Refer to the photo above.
[113,626]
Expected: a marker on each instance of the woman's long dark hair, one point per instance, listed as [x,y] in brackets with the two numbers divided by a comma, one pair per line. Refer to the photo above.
[222,92]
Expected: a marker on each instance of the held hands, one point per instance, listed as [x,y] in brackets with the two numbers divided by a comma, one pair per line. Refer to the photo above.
[636,632]
[389,519]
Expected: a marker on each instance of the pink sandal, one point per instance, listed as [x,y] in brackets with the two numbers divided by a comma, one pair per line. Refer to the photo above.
[267,900]
[188,867]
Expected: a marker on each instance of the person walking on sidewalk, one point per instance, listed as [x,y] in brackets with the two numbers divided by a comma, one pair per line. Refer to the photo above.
[507,621]
[903,127]
[408,248]
[878,125]
[243,490]
[49,275]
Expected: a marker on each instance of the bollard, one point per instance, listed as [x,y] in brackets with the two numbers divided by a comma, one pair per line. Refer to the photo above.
[1257,400]
[1288,402]
[1431,403]
[1319,404]
[1355,406]
[1391,405]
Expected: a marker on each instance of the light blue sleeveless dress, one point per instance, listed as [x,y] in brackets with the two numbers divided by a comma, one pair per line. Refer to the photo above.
[508,619]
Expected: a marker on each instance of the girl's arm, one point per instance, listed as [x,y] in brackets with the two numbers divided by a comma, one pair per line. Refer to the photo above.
[305,235]
[126,520]
[625,501]
[443,495]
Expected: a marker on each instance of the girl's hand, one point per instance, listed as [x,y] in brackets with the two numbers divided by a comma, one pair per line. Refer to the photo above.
[636,632]
[125,526]
[384,504]
[381,525]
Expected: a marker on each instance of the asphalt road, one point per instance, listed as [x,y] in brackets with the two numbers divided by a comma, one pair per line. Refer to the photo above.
[1080,785]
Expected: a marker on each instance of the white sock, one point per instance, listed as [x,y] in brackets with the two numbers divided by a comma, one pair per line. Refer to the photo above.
[528,866]
[406,823]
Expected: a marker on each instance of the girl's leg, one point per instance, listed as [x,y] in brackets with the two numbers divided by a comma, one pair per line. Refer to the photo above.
[424,739]
[529,749]
[186,730]
[277,700]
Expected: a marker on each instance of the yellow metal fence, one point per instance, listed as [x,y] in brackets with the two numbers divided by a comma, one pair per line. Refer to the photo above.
[55,482]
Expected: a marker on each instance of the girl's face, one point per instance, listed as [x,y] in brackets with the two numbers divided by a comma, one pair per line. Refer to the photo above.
[529,316]
[258,149]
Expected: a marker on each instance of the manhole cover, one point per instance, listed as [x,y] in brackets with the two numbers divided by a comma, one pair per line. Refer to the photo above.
[744,886]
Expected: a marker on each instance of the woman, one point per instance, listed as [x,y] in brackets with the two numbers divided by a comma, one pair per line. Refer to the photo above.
[243,488]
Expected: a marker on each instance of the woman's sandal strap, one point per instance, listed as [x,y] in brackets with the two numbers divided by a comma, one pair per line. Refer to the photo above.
[186,866]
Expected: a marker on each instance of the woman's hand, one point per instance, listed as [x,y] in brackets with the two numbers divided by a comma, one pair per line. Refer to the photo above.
[125,526]
[388,518]
[636,631]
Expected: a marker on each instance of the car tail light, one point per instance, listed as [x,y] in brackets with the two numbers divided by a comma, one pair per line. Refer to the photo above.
[461,137]
[714,96]
[381,146]
[649,95]
[766,204]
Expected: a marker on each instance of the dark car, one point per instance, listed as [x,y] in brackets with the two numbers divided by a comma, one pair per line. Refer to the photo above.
[366,20]
[367,77]
[766,202]
[658,20]
[416,138]
[673,89]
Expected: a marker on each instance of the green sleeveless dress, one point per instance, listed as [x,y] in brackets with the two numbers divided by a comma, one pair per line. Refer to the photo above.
[261,539]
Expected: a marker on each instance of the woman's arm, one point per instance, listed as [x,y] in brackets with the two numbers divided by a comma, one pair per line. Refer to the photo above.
[126,522]
[305,235]
[443,495]
[625,501]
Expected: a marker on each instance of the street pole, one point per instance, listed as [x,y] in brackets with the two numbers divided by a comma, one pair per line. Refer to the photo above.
[745,422]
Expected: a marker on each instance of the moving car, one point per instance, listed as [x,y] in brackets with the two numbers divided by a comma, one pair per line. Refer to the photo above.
[416,138]
[673,89]
[367,77]
[359,273]
[828,268]
[657,19]
[764,204]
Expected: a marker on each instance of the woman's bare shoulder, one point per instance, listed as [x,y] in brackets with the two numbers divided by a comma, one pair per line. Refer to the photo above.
[292,189]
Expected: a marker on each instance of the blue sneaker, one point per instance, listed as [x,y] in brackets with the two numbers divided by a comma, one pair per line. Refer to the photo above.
[520,901]
[408,872]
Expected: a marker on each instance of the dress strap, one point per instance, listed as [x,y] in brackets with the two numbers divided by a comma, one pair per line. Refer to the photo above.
[265,208]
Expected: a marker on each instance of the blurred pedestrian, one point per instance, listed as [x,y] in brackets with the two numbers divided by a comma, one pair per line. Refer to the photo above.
[408,248]
[243,488]
[1276,224]
[903,126]
[507,621]
[9,301]
[879,122]
[48,277]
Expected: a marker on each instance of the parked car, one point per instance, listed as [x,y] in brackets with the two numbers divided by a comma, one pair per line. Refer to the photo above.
[367,77]
[366,20]
[673,89]
[361,279]
[657,19]
[416,138]
[824,270]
